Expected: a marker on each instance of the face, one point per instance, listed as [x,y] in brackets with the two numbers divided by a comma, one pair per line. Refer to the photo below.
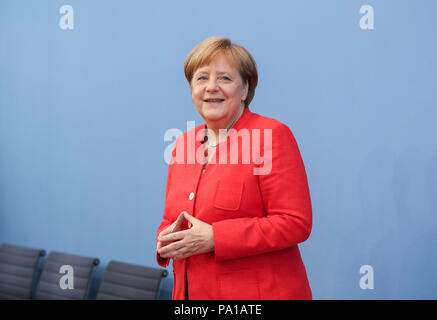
[218,91]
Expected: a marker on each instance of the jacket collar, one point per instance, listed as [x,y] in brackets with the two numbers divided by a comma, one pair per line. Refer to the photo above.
[237,125]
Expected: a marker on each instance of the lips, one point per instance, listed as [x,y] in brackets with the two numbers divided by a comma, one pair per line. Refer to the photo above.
[214,100]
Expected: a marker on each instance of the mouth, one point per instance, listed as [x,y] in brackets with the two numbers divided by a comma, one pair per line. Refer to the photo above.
[214,100]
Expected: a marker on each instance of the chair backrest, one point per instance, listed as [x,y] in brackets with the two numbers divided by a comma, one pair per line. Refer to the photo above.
[53,275]
[123,281]
[18,271]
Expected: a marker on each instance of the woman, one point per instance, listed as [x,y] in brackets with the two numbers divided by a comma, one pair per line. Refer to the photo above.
[232,224]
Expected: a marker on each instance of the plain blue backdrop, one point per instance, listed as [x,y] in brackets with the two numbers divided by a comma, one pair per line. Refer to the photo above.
[83,114]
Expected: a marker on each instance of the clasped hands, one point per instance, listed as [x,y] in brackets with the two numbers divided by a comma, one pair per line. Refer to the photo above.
[175,243]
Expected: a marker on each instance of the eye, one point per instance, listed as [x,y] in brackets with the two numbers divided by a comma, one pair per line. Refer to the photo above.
[201,78]
[226,78]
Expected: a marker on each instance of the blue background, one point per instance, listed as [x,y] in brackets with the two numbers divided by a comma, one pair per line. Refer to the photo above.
[83,114]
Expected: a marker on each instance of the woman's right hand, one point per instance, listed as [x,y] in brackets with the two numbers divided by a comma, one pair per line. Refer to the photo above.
[174,227]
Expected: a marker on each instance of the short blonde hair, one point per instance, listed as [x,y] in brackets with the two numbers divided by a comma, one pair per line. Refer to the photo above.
[208,49]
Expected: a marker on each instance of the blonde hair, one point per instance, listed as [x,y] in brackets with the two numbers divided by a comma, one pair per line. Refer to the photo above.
[208,49]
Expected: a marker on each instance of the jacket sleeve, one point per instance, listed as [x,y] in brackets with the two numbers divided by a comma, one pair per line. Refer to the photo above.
[287,203]
[163,262]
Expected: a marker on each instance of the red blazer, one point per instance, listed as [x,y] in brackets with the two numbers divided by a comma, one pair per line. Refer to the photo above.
[257,219]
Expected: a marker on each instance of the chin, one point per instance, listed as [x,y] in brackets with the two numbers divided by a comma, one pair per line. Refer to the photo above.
[213,114]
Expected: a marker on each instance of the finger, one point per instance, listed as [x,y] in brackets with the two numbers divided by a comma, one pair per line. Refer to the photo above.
[166,231]
[172,248]
[174,226]
[183,255]
[175,253]
[190,218]
[159,245]
[174,236]
[179,221]
[180,255]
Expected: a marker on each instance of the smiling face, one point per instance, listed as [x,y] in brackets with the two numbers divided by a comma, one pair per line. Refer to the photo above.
[218,92]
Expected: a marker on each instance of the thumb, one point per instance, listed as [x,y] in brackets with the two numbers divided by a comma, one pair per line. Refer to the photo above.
[178,223]
[191,220]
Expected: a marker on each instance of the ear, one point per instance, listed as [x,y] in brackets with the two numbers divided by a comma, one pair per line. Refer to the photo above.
[245,91]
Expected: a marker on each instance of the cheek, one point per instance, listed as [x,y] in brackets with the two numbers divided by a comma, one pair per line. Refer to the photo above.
[196,93]
[235,93]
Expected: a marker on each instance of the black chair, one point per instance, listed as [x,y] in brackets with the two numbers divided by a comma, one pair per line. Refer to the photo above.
[18,271]
[49,286]
[123,281]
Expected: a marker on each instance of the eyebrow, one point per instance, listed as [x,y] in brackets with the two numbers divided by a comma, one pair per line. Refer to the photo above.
[200,72]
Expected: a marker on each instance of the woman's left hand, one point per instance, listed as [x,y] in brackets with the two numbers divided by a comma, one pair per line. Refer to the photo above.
[197,239]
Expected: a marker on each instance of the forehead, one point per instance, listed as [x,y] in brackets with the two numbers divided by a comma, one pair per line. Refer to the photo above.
[219,63]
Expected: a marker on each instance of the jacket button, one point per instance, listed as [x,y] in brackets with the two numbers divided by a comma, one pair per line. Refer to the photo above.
[191,196]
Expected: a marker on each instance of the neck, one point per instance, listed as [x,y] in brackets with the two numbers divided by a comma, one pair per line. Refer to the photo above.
[217,129]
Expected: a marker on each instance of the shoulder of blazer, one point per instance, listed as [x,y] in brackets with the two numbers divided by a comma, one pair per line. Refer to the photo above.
[182,137]
[257,121]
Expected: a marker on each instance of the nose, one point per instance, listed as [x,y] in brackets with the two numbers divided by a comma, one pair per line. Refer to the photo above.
[212,86]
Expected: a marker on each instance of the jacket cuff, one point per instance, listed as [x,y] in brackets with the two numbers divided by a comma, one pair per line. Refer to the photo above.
[223,249]
[163,262]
